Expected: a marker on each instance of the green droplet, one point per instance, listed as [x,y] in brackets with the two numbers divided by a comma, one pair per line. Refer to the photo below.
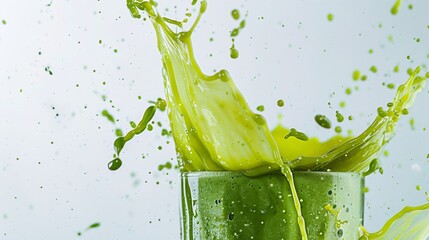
[94,225]
[242,24]
[149,127]
[410,71]
[118,132]
[235,32]
[330,17]
[418,187]
[133,124]
[390,86]
[167,165]
[298,135]
[370,51]
[281,103]
[115,50]
[350,117]
[394,10]
[165,132]
[363,78]
[396,68]
[234,52]
[356,75]
[410,7]
[373,69]
[235,14]
[418,40]
[342,104]
[115,164]
[338,129]
[390,104]
[4,22]
[260,108]
[339,116]
[412,122]
[109,116]
[323,121]
[100,41]
[348,91]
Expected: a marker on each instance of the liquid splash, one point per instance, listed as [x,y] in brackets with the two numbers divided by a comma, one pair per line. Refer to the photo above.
[409,223]
[197,102]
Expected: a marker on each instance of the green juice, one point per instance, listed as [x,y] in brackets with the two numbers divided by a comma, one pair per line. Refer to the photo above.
[230,205]
[215,130]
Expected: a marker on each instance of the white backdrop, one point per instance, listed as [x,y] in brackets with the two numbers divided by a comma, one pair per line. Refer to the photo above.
[55,145]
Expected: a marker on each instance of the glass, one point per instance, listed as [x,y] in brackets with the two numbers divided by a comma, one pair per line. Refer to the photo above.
[230,205]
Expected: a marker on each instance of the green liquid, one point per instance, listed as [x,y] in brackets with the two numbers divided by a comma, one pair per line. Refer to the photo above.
[228,205]
[239,139]
[395,7]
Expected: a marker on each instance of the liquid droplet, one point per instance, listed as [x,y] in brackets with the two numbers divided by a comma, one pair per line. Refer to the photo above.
[340,117]
[233,52]
[395,7]
[115,164]
[235,14]
[356,75]
[323,121]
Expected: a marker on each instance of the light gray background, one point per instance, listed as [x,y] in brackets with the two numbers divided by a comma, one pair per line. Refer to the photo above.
[288,50]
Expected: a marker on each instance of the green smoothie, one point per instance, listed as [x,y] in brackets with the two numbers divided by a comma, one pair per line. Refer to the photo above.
[215,130]
[230,205]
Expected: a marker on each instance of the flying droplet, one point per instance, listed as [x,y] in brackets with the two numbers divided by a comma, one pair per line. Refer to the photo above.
[115,164]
